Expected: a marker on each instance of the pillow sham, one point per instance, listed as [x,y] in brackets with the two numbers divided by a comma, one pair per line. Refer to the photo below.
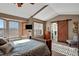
[2,41]
[6,48]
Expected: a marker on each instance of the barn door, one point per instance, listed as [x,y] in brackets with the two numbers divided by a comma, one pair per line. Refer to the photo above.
[62,31]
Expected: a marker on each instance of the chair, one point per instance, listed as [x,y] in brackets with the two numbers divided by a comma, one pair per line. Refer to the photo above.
[73,41]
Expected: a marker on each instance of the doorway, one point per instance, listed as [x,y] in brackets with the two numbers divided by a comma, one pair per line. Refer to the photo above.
[59,31]
[54,31]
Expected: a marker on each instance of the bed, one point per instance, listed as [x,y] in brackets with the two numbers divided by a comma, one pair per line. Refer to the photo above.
[28,47]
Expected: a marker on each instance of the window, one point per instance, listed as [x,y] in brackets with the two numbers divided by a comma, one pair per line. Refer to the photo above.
[2,28]
[9,29]
[13,29]
[1,23]
[38,29]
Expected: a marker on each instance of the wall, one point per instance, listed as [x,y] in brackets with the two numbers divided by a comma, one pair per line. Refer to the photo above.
[32,20]
[23,21]
[64,17]
[23,31]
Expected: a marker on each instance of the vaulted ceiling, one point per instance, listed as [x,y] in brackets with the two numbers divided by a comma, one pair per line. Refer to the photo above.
[52,10]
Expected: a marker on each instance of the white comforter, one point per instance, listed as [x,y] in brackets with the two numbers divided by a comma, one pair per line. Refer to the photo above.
[29,47]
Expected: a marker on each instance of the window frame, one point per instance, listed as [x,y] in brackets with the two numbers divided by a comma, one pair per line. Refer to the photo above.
[18,26]
[4,27]
[38,28]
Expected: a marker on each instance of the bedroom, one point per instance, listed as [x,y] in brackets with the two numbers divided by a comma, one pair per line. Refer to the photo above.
[15,17]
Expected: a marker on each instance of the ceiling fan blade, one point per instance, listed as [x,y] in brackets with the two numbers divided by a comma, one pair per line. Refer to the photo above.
[32,3]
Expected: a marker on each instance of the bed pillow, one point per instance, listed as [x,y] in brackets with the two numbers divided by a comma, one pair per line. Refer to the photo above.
[1,53]
[2,41]
[6,48]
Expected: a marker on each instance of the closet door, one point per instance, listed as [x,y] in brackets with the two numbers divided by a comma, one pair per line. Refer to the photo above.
[62,31]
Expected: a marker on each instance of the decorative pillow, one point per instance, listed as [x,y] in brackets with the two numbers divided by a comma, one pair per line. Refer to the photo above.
[2,41]
[6,48]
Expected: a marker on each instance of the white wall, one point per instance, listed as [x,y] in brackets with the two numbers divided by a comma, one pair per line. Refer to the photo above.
[64,17]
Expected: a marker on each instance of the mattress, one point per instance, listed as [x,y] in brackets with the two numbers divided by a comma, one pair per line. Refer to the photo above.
[29,47]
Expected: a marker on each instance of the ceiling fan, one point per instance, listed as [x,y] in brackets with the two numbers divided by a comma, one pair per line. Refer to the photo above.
[20,4]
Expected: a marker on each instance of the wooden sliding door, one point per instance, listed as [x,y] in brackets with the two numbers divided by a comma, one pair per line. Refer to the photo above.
[62,31]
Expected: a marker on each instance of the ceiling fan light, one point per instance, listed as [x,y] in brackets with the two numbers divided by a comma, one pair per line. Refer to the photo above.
[19,4]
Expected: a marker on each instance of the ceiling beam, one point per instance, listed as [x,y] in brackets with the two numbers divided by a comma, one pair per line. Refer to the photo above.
[3,15]
[39,11]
